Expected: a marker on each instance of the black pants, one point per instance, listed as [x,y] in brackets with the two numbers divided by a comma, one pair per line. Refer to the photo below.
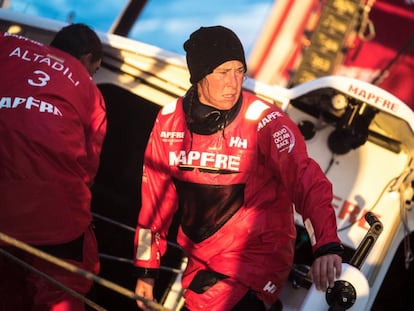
[204,279]
[250,302]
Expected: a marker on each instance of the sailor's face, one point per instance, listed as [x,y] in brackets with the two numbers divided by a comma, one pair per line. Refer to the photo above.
[93,67]
[221,88]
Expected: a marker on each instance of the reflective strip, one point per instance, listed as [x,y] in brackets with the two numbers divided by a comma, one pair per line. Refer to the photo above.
[144,244]
[311,231]
[169,108]
[255,110]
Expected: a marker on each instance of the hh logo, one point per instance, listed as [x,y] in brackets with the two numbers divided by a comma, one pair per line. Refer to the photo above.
[270,287]
[238,142]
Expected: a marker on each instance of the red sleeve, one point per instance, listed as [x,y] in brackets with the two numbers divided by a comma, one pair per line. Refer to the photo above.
[158,203]
[304,181]
[95,132]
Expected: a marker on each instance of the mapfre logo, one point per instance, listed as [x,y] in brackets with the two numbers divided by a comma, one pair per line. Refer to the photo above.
[269,118]
[171,136]
[165,134]
[205,160]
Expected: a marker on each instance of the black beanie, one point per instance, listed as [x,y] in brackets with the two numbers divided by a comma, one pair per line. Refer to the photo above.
[208,48]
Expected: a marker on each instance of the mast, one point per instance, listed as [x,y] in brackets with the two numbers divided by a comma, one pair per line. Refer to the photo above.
[123,24]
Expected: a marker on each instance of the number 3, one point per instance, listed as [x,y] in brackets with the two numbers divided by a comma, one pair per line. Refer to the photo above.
[42,79]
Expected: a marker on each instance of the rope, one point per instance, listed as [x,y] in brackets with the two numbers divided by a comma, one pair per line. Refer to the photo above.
[401,51]
[72,268]
[367,30]
[53,281]
[125,260]
[121,225]
[113,222]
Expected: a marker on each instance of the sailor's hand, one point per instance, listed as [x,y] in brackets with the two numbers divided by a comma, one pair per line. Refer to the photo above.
[144,288]
[324,270]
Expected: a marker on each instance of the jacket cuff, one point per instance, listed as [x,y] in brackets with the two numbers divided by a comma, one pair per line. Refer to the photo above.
[143,273]
[330,248]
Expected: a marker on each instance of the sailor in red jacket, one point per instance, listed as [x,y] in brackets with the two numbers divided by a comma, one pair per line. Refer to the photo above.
[52,126]
[235,167]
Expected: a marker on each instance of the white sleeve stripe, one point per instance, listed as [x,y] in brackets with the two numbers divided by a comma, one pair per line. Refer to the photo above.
[144,244]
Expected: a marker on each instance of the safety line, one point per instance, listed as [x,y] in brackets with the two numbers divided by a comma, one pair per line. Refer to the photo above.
[126,260]
[72,268]
[53,281]
[129,228]
[119,224]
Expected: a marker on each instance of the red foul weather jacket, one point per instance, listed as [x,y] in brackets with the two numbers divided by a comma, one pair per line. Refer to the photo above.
[52,126]
[235,190]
